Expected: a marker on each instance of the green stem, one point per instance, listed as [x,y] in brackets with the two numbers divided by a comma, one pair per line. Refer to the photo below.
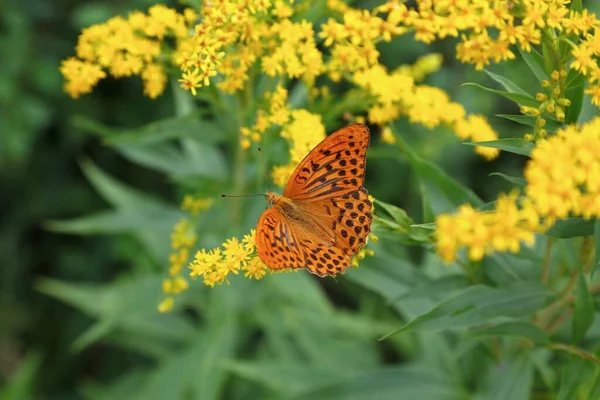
[575,350]
[546,268]
[550,42]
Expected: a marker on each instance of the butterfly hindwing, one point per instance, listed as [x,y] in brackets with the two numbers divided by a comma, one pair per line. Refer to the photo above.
[277,243]
[333,168]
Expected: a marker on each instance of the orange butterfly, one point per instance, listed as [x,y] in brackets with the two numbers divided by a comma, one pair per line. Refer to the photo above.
[324,215]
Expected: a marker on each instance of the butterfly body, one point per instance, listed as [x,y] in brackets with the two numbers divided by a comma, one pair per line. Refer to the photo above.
[324,215]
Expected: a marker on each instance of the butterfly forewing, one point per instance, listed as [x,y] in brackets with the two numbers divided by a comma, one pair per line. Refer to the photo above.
[333,168]
[277,243]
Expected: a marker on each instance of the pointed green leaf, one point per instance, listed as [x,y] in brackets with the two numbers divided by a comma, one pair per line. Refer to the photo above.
[520,99]
[574,92]
[194,159]
[512,179]
[511,378]
[576,376]
[512,145]
[287,378]
[479,304]
[514,329]
[388,383]
[535,63]
[507,83]
[441,192]
[583,313]
[571,227]
[397,213]
[577,5]
[188,126]
[436,288]
[550,126]
[21,382]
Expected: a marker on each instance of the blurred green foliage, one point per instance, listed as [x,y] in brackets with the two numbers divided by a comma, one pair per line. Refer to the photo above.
[89,196]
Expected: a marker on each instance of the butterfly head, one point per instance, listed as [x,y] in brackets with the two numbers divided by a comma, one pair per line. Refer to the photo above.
[272,198]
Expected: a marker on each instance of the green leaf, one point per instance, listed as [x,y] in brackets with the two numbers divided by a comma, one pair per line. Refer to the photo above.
[388,383]
[507,83]
[571,227]
[198,369]
[479,304]
[127,305]
[514,329]
[574,92]
[436,287]
[22,381]
[441,192]
[148,218]
[510,379]
[194,158]
[398,214]
[287,378]
[188,126]
[512,145]
[550,126]
[512,179]
[576,376]
[536,64]
[583,313]
[595,390]
[577,5]
[520,99]
[596,247]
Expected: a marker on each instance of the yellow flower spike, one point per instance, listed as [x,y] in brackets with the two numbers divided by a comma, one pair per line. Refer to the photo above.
[387,136]
[542,133]
[166,305]
[167,286]
[540,97]
[529,137]
[551,107]
[556,91]
[540,122]
[555,75]
[546,83]
[560,114]
[564,102]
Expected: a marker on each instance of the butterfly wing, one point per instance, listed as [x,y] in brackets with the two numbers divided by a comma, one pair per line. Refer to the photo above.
[334,168]
[348,217]
[277,243]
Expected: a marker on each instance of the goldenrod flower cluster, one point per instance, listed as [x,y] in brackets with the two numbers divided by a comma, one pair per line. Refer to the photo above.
[563,176]
[563,180]
[125,47]
[183,238]
[502,229]
[234,256]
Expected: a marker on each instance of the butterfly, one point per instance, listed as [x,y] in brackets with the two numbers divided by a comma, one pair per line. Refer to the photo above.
[324,216]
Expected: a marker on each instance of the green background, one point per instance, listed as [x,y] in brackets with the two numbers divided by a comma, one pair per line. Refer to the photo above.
[84,239]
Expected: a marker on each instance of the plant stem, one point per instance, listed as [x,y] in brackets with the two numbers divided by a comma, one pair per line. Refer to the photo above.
[575,350]
[546,267]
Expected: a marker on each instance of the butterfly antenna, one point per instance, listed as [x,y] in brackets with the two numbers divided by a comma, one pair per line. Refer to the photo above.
[264,168]
[243,195]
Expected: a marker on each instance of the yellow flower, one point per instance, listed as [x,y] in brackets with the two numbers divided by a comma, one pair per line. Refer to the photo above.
[166,305]
[563,174]
[254,269]
[80,76]
[481,233]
